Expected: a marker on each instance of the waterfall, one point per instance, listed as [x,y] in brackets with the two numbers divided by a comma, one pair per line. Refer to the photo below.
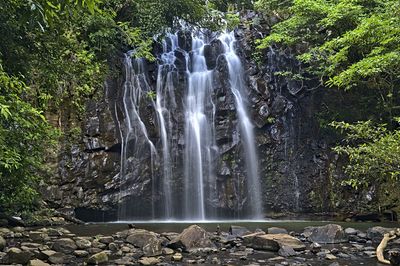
[185,184]
[238,87]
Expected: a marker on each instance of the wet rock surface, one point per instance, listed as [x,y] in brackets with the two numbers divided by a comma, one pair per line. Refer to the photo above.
[197,247]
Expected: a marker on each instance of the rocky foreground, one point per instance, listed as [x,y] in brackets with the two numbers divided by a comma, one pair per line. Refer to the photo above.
[324,245]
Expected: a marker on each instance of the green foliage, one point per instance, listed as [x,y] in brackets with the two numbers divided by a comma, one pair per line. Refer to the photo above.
[373,153]
[352,45]
[24,137]
[232,20]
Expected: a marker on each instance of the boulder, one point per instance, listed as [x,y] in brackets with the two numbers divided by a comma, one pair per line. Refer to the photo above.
[238,230]
[272,242]
[148,241]
[376,233]
[277,230]
[83,243]
[192,237]
[327,234]
[64,245]
[15,255]
[286,251]
[37,262]
[140,237]
[98,258]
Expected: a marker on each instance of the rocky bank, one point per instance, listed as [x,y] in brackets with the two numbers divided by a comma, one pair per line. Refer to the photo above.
[325,245]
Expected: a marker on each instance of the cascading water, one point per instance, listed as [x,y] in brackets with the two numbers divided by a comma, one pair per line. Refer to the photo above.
[185,186]
[238,87]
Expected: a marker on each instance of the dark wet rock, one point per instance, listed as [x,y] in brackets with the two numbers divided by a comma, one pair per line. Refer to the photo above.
[192,237]
[16,221]
[64,245]
[37,262]
[236,230]
[394,256]
[18,256]
[376,233]
[272,242]
[98,258]
[211,53]
[327,234]
[3,243]
[276,230]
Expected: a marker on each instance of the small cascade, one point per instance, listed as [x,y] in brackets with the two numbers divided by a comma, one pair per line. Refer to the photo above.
[183,98]
[135,140]
[238,87]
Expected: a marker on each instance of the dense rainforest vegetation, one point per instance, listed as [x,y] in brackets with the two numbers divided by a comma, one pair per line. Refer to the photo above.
[56,53]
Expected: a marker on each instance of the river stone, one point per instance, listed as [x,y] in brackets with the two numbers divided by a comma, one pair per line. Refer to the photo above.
[18,256]
[192,237]
[238,230]
[327,234]
[167,251]
[37,262]
[38,236]
[351,231]
[149,261]
[376,233]
[98,258]
[83,243]
[277,230]
[3,243]
[113,247]
[57,258]
[81,253]
[106,239]
[140,237]
[177,257]
[64,245]
[272,242]
[45,254]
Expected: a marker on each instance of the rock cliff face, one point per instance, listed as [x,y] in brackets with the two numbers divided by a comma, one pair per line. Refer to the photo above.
[294,160]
